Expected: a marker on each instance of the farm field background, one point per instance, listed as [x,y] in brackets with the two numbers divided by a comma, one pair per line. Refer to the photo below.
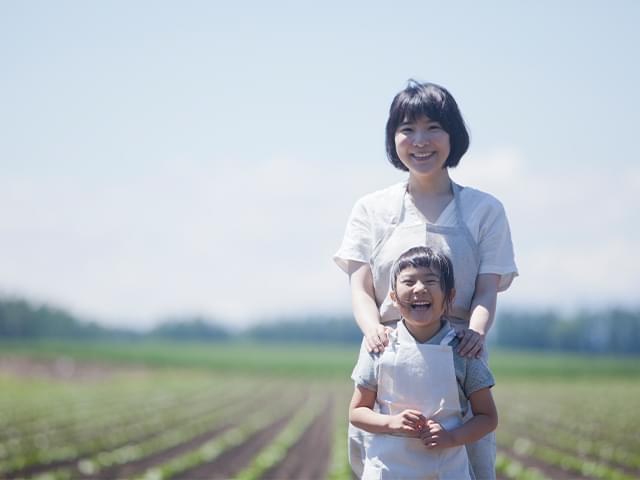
[171,410]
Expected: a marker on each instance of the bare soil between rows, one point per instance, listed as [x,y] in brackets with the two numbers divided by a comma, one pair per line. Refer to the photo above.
[60,368]
[549,471]
[232,461]
[587,457]
[309,458]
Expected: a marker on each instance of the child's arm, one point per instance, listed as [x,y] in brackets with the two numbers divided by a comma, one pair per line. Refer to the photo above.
[361,415]
[484,421]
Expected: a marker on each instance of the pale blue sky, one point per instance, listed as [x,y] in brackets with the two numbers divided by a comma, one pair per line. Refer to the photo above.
[168,157]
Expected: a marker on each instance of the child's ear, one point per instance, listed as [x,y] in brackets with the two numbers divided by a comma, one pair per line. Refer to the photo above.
[452,297]
[394,298]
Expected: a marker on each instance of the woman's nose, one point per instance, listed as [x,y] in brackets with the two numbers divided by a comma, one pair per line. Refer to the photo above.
[420,139]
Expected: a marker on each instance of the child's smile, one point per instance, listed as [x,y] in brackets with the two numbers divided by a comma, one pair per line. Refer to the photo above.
[421,301]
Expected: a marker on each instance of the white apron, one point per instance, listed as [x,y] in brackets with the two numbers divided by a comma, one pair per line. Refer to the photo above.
[455,241]
[460,246]
[422,377]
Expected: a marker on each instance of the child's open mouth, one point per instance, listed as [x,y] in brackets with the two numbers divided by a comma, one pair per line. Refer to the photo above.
[421,305]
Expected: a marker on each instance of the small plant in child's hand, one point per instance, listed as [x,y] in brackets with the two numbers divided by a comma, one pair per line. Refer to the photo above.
[435,436]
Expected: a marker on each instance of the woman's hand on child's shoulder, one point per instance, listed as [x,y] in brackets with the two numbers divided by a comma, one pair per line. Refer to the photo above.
[471,343]
[435,436]
[377,338]
[407,422]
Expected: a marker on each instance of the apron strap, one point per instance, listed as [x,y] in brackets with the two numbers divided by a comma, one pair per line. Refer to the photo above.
[451,334]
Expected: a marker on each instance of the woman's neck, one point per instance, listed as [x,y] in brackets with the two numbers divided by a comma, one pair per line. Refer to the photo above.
[430,186]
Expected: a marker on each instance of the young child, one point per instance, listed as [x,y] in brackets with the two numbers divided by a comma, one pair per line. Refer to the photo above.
[414,395]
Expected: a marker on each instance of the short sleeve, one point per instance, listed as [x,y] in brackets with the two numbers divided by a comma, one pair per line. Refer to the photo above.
[478,376]
[364,374]
[496,247]
[356,244]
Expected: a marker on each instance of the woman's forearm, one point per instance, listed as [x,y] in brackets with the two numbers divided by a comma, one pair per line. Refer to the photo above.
[363,300]
[483,304]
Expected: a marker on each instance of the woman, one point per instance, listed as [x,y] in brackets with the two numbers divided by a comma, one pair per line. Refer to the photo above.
[425,136]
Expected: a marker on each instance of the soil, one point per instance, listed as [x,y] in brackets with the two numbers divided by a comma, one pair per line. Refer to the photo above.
[632,472]
[60,368]
[309,458]
[235,459]
[547,470]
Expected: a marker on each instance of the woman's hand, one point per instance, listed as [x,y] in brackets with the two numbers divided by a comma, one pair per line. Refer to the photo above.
[471,343]
[435,436]
[408,422]
[377,338]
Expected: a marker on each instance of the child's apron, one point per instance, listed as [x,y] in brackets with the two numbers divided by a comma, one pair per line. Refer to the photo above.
[421,377]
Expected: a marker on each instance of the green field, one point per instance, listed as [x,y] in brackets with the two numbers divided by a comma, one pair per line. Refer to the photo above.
[167,410]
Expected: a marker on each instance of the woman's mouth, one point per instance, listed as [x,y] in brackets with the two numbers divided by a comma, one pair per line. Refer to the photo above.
[422,155]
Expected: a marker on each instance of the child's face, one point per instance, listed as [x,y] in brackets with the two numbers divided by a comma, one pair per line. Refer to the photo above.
[420,298]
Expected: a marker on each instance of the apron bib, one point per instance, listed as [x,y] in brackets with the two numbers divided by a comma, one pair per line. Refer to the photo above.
[455,241]
[421,377]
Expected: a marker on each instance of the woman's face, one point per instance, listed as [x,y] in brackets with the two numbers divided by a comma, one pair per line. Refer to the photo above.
[422,146]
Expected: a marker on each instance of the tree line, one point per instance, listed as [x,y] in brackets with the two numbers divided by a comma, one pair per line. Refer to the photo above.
[612,330]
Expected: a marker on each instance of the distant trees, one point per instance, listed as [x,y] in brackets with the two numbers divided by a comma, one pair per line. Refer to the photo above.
[21,319]
[311,329]
[612,330]
[189,328]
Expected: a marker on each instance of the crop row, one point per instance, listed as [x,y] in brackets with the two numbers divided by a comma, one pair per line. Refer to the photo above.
[598,449]
[561,459]
[141,433]
[97,439]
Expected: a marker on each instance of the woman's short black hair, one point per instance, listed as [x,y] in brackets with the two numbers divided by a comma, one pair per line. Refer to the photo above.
[426,257]
[435,102]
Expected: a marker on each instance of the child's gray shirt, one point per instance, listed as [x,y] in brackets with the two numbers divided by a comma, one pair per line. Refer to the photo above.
[472,374]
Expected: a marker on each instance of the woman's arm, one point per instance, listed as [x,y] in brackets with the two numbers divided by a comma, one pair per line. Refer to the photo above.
[483,309]
[365,309]
[362,415]
[484,421]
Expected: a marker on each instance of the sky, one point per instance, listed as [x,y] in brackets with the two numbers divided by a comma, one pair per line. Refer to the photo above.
[165,158]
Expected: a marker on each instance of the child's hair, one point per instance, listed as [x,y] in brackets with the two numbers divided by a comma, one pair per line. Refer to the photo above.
[434,102]
[426,257]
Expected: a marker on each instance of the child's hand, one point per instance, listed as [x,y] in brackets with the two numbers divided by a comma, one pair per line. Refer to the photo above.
[434,436]
[407,421]
[377,338]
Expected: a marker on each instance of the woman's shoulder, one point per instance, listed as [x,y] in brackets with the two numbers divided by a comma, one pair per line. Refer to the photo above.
[382,199]
[384,194]
[473,199]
